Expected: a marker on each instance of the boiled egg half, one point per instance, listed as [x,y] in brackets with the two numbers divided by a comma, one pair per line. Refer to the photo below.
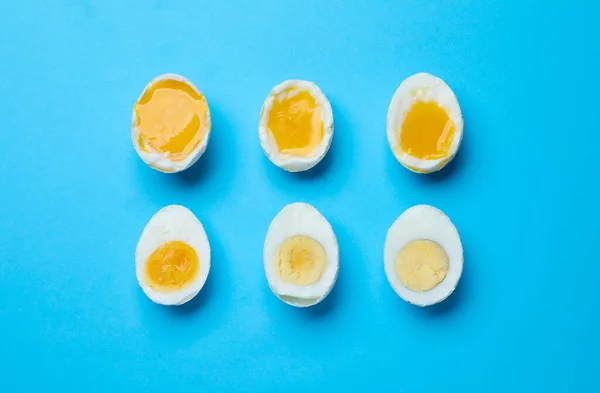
[170,124]
[172,258]
[301,255]
[296,125]
[424,123]
[423,256]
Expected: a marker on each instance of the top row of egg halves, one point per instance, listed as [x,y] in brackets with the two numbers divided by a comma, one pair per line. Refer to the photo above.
[171,124]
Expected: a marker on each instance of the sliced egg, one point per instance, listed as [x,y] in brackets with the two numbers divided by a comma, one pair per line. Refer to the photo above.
[301,255]
[170,124]
[423,256]
[296,125]
[172,258]
[424,123]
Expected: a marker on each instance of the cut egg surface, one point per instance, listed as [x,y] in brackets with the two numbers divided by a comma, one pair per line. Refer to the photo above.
[301,255]
[424,123]
[296,125]
[171,124]
[423,256]
[172,257]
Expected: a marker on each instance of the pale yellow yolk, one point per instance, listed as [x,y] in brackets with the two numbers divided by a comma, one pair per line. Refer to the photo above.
[300,260]
[427,131]
[421,265]
[171,118]
[295,123]
[172,266]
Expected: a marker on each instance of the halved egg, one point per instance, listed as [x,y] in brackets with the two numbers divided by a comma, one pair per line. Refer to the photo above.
[296,125]
[423,256]
[170,124]
[424,123]
[301,255]
[172,258]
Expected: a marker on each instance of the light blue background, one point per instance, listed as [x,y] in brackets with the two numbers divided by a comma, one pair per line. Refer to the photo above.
[523,193]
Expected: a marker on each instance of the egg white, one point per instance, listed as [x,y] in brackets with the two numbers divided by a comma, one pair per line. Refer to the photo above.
[288,162]
[160,161]
[422,87]
[301,219]
[424,222]
[173,223]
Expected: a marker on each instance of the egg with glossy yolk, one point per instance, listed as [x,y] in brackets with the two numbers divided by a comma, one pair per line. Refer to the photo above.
[172,257]
[296,125]
[301,255]
[423,256]
[171,124]
[424,123]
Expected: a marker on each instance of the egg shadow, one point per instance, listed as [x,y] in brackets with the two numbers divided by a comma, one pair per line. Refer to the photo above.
[209,165]
[451,172]
[323,167]
[452,304]
[332,301]
[324,309]
[453,168]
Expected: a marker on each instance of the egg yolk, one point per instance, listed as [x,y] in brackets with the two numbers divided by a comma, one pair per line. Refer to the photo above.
[427,131]
[421,265]
[300,260]
[295,123]
[172,266]
[171,117]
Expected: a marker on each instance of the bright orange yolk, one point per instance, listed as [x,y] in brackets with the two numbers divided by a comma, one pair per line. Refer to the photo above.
[170,116]
[296,124]
[427,131]
[172,266]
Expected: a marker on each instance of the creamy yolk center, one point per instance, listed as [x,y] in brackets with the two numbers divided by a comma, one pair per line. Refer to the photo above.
[427,131]
[172,266]
[300,260]
[171,117]
[421,265]
[295,123]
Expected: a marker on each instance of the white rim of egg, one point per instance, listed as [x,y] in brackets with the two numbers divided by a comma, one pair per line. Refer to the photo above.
[422,87]
[161,229]
[288,162]
[301,219]
[418,223]
[160,161]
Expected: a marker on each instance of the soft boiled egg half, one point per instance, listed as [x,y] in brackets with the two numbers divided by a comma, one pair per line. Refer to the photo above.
[296,125]
[301,255]
[423,256]
[172,258]
[170,124]
[424,123]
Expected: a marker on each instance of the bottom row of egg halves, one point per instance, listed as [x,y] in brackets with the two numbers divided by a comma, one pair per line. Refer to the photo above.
[423,256]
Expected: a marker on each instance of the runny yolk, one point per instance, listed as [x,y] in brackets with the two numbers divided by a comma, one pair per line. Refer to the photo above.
[421,265]
[295,123]
[171,117]
[300,260]
[427,131]
[172,266]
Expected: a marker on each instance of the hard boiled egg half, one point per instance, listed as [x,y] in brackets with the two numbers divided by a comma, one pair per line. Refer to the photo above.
[296,125]
[172,258]
[423,256]
[301,255]
[424,123]
[170,124]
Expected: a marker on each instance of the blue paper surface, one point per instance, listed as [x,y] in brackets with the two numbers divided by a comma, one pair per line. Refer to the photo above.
[523,192]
